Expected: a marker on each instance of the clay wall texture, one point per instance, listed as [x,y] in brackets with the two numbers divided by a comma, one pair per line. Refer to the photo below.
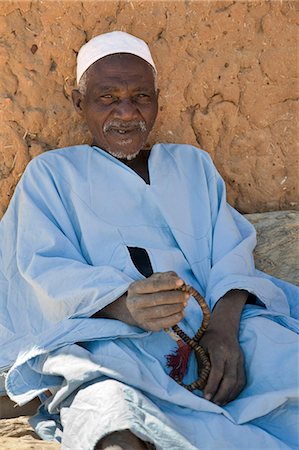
[228,75]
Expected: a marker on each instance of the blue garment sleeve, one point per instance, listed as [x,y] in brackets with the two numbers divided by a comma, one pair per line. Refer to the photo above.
[233,242]
[48,252]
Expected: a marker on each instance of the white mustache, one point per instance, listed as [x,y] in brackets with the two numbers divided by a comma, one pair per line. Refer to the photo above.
[138,124]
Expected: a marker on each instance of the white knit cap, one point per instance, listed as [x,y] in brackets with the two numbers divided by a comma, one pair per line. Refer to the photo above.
[109,44]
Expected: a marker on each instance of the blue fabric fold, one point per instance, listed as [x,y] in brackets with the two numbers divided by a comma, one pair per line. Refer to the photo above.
[64,256]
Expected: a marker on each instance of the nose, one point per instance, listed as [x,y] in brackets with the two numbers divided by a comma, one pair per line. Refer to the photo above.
[125,110]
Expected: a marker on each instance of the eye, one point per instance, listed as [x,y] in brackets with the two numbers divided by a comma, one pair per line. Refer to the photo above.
[142,97]
[107,99]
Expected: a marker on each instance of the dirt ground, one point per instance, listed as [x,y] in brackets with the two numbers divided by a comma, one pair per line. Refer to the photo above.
[16,434]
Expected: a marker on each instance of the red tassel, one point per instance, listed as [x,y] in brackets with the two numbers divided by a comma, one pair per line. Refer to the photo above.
[178,361]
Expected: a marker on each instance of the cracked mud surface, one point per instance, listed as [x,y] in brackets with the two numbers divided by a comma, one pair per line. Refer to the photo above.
[228,75]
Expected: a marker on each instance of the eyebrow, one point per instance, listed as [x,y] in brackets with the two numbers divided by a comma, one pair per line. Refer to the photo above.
[107,89]
[100,89]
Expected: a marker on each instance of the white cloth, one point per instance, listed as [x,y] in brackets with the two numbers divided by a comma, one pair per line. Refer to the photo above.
[110,44]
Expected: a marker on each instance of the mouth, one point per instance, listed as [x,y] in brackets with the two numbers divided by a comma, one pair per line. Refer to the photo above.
[123,131]
[123,137]
[128,129]
[127,136]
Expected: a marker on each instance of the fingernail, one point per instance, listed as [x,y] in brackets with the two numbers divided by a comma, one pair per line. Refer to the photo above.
[208,396]
[179,283]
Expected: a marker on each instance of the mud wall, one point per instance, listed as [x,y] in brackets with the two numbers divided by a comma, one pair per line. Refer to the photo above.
[228,75]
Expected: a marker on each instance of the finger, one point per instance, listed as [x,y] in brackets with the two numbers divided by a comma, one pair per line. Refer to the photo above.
[166,322]
[159,312]
[160,281]
[158,299]
[238,388]
[233,380]
[225,387]
[214,379]
[240,383]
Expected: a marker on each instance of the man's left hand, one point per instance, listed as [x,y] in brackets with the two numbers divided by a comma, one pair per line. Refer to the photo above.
[221,341]
[227,376]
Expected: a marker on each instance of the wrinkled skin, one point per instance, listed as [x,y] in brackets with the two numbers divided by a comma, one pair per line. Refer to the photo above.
[227,376]
[152,304]
[120,104]
[155,303]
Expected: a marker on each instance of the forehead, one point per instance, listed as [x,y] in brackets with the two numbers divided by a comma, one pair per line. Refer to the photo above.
[120,69]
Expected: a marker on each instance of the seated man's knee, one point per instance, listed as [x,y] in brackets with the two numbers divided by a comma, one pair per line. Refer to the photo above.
[122,440]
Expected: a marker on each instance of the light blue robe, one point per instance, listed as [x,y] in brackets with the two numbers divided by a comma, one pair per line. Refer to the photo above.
[64,256]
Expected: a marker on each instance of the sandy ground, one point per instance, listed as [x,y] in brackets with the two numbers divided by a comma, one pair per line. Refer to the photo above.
[16,434]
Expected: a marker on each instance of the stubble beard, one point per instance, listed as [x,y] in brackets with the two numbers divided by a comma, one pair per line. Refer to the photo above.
[139,124]
[120,155]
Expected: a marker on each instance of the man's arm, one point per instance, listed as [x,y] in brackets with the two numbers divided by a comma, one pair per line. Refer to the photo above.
[221,341]
[116,310]
[155,303]
[152,304]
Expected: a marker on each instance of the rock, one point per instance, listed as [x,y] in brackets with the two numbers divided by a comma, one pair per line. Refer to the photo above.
[277,250]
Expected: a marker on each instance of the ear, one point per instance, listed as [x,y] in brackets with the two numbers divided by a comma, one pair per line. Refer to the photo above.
[77,101]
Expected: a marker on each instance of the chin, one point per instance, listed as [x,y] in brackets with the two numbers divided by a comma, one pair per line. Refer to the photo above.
[124,155]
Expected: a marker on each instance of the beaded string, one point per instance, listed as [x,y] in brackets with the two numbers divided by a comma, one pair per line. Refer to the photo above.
[177,334]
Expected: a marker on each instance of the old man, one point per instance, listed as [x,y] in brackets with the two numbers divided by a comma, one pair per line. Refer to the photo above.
[96,246]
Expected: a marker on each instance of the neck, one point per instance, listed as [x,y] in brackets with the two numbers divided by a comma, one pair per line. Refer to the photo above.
[139,164]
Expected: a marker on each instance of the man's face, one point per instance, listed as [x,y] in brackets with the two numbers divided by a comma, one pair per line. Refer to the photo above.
[120,104]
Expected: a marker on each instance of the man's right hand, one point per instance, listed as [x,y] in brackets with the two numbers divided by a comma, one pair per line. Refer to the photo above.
[152,304]
[155,302]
